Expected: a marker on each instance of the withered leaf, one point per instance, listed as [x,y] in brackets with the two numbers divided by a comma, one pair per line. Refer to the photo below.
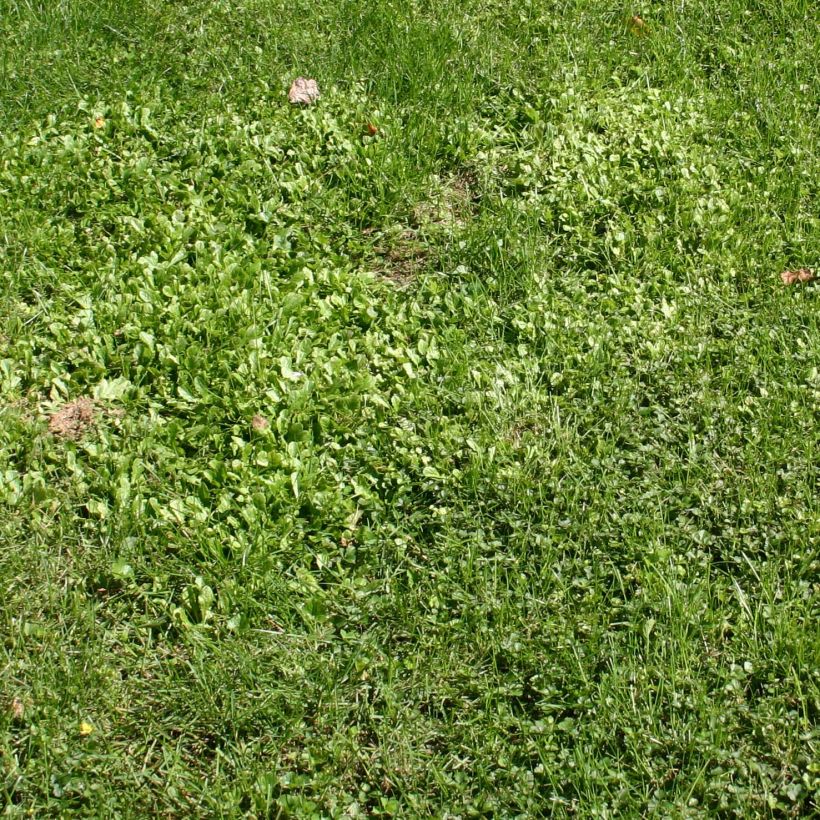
[792,277]
[303,91]
[73,419]
[637,25]
[260,423]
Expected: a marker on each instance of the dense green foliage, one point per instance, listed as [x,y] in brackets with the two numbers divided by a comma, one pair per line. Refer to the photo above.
[464,468]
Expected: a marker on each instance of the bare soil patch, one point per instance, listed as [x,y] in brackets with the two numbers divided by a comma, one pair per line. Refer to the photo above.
[402,257]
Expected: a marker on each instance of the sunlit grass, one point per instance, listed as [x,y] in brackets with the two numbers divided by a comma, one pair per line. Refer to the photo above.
[453,449]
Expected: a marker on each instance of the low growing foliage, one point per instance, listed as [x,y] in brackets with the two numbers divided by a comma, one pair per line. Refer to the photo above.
[445,447]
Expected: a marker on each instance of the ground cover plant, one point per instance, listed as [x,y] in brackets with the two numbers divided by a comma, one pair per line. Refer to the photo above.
[446,447]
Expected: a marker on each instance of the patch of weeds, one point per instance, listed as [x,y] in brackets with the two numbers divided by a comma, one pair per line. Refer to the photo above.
[535,535]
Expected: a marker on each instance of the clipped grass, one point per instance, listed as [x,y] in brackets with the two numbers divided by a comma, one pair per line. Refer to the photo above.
[467,468]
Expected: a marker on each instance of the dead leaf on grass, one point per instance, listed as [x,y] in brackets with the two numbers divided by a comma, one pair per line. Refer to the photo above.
[18,709]
[801,275]
[72,420]
[303,91]
[637,25]
[259,423]
[402,259]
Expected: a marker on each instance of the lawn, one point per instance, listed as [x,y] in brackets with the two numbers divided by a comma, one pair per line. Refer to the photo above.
[447,447]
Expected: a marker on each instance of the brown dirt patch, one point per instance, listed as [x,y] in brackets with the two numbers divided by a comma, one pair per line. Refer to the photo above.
[465,186]
[73,420]
[524,429]
[451,202]
[402,255]
[401,259]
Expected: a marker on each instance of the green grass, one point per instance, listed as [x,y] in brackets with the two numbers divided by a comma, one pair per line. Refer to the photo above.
[533,526]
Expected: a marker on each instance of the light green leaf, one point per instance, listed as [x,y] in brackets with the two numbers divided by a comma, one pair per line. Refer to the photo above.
[113,389]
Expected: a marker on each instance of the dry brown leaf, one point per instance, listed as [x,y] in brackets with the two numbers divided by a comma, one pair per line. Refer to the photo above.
[303,91]
[72,420]
[260,423]
[18,709]
[792,277]
[637,25]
